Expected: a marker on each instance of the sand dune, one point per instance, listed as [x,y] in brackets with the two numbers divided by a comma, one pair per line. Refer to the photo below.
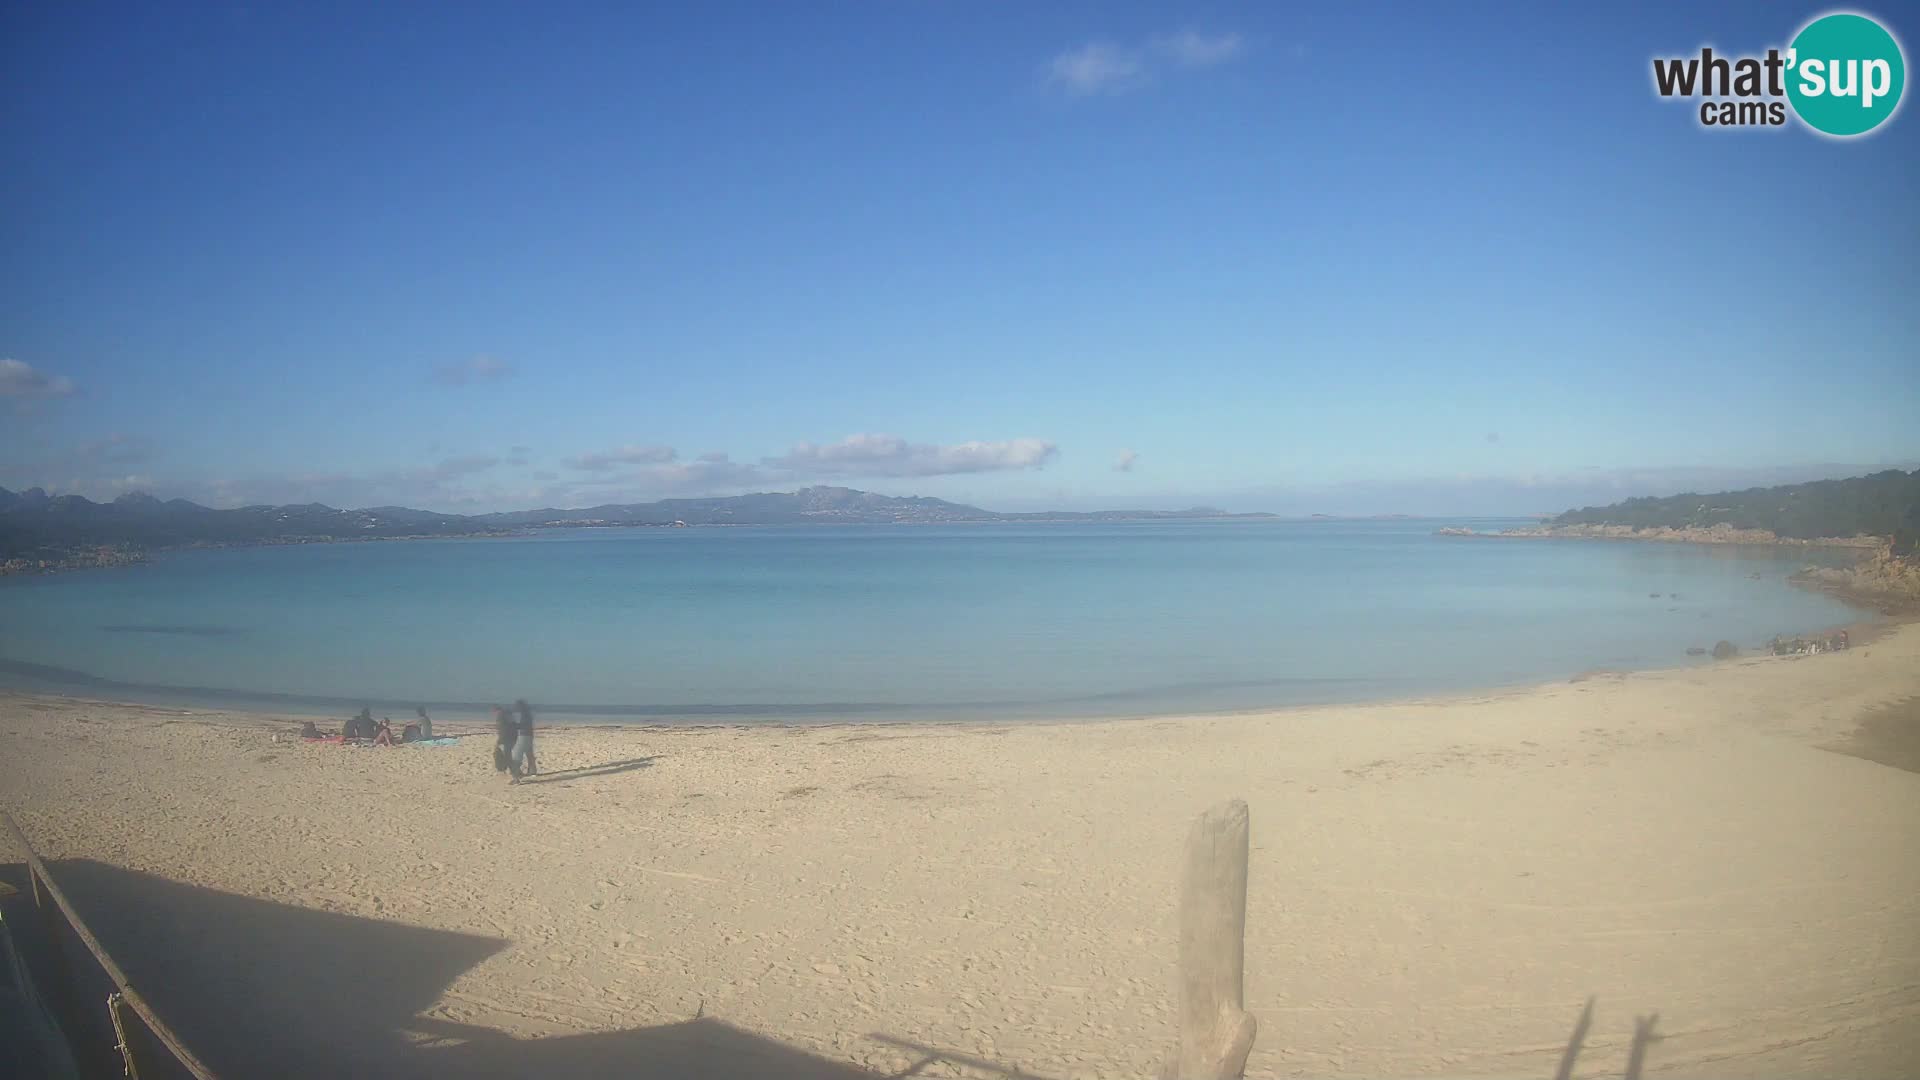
[1436,886]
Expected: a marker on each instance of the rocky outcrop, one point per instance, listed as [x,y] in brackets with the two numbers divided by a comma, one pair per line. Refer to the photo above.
[1885,582]
[1712,534]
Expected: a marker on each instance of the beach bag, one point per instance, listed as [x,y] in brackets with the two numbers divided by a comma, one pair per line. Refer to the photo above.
[499,758]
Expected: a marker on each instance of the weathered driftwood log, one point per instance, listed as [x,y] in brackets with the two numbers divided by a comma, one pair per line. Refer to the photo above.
[1216,1033]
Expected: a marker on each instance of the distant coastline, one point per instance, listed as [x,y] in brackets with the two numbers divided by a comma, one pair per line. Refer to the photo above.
[42,533]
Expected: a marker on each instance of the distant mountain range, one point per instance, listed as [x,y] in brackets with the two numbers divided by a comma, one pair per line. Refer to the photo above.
[69,529]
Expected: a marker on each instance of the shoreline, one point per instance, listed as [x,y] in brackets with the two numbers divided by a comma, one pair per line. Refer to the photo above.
[261,710]
[1434,888]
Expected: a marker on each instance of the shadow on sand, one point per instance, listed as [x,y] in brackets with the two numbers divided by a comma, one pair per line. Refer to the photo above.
[264,989]
[561,776]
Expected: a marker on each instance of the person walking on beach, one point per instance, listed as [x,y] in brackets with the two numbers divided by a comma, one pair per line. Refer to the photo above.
[523,746]
[505,735]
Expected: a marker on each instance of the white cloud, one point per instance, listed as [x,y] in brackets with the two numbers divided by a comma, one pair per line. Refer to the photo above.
[21,380]
[455,467]
[603,460]
[1104,67]
[1098,67]
[477,369]
[1190,48]
[1125,461]
[890,455]
[116,449]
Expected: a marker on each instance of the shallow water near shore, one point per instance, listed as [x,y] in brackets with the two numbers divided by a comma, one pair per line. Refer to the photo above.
[935,623]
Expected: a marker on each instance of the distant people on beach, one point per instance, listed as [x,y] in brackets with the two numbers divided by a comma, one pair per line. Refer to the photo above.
[360,725]
[505,734]
[423,722]
[523,747]
[383,732]
[1800,646]
[308,731]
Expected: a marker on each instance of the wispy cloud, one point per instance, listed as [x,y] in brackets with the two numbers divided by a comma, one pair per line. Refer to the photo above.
[462,483]
[116,449]
[1106,67]
[891,455]
[705,476]
[21,381]
[455,467]
[603,460]
[1191,48]
[1125,461]
[639,472]
[1098,67]
[474,370]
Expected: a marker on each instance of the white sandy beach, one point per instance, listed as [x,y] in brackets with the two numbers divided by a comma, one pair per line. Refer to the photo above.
[1436,885]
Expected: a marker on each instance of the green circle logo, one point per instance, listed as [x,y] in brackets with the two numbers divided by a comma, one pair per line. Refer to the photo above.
[1845,74]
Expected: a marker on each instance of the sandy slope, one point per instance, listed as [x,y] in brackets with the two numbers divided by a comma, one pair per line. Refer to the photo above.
[1436,885]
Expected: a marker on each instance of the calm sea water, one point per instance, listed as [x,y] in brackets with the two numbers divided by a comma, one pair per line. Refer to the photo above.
[890,622]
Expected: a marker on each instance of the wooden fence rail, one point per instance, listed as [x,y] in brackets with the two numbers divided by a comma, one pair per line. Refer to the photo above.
[60,921]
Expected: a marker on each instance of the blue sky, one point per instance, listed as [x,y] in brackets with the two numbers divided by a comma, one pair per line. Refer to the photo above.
[1349,258]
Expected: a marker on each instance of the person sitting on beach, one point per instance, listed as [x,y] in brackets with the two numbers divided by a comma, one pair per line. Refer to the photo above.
[410,733]
[361,725]
[383,732]
[308,731]
[424,723]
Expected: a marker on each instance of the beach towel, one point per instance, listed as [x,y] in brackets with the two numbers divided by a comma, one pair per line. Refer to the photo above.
[444,740]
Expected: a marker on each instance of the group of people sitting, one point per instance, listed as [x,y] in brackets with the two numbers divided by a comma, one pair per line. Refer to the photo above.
[362,728]
[1801,646]
[513,728]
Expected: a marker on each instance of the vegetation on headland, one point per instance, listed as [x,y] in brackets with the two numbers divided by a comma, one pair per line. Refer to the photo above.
[41,532]
[1877,514]
[1884,505]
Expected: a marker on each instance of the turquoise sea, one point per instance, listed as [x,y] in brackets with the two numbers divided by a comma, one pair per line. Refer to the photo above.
[890,622]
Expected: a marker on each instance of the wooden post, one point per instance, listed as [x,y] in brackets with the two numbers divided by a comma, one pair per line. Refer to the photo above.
[1216,1034]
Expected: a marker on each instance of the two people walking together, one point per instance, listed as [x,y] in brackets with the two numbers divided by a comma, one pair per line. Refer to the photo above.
[513,746]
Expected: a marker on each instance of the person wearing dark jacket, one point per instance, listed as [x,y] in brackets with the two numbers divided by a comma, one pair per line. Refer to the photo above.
[505,734]
[523,745]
